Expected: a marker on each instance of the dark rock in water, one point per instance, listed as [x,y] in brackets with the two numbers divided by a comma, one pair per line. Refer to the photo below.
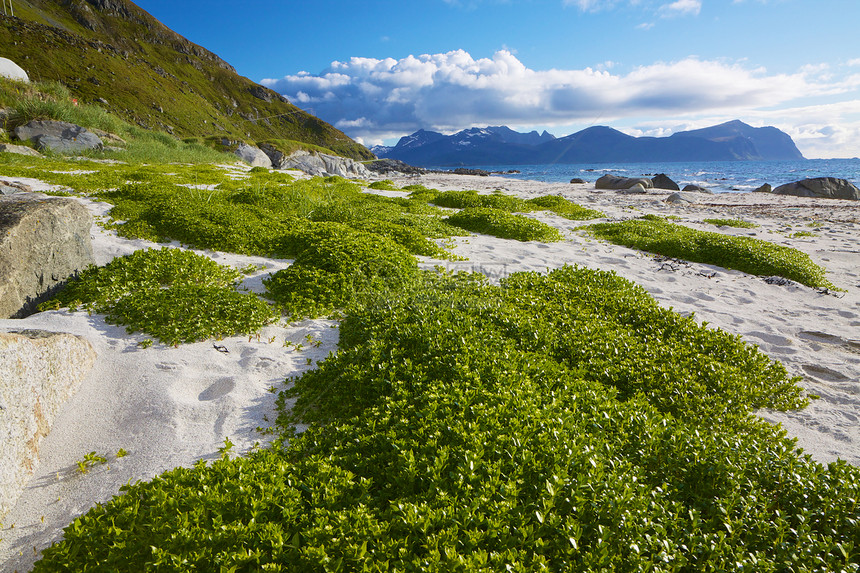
[467,171]
[696,189]
[820,187]
[59,136]
[577,180]
[43,241]
[662,181]
[609,181]
[386,165]
[766,188]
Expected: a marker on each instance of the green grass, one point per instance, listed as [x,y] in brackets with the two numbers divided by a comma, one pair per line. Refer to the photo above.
[562,422]
[731,223]
[746,254]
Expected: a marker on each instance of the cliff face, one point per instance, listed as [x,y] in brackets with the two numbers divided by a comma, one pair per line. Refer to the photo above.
[114,53]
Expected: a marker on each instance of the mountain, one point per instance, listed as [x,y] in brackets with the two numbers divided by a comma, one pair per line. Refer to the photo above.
[730,141]
[113,53]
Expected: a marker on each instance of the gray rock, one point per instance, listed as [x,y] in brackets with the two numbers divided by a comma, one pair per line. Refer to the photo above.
[577,180]
[766,188]
[39,371]
[254,156]
[680,198]
[13,187]
[696,189]
[19,149]
[324,165]
[637,189]
[43,241]
[11,70]
[615,182]
[820,187]
[662,181]
[59,136]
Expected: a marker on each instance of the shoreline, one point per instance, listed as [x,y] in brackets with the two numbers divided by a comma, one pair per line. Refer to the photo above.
[170,406]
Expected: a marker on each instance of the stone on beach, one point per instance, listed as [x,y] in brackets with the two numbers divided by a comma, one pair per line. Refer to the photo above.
[820,187]
[609,181]
[663,181]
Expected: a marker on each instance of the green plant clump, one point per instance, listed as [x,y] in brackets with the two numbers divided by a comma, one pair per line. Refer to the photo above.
[746,254]
[564,208]
[731,223]
[468,427]
[174,295]
[471,199]
[504,225]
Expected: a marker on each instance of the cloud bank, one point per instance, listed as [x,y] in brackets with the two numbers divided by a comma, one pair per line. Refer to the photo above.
[372,99]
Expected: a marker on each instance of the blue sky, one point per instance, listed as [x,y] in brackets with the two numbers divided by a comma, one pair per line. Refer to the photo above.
[380,70]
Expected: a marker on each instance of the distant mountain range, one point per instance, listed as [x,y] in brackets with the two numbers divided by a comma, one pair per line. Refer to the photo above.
[731,141]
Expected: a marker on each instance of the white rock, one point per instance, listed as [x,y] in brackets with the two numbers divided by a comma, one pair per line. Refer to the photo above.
[11,70]
[254,156]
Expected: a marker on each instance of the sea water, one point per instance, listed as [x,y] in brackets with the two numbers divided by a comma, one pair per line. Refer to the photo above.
[718,176]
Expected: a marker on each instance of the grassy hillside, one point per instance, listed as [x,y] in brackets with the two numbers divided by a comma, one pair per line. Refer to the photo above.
[114,54]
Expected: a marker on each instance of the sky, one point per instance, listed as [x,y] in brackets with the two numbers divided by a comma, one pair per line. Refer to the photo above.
[381,70]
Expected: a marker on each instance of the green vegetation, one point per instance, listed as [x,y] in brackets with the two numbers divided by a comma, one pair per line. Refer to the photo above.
[731,223]
[562,422]
[471,199]
[745,254]
[174,295]
[504,225]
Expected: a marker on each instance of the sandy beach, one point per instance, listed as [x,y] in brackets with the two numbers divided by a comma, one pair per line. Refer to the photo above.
[170,407]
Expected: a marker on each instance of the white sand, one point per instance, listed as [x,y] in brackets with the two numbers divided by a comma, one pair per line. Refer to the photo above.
[173,406]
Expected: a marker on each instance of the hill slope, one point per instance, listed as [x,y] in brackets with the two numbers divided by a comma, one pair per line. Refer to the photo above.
[114,53]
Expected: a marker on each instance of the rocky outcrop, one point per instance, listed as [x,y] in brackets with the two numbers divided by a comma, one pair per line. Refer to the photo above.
[39,371]
[321,164]
[386,165]
[609,181]
[59,136]
[11,70]
[663,181]
[43,241]
[820,187]
[253,156]
[19,149]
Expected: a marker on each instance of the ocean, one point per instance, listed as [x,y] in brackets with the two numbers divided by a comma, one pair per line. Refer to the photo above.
[718,176]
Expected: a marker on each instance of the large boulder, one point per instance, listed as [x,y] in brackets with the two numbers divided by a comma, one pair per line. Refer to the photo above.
[11,70]
[663,181]
[253,156]
[322,164]
[609,181]
[820,187]
[39,371]
[43,241]
[696,189]
[59,136]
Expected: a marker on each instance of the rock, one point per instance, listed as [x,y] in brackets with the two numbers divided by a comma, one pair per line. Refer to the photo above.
[766,188]
[696,189]
[39,371]
[680,198]
[820,187]
[13,187]
[615,182]
[386,165]
[637,189]
[43,241]
[59,136]
[324,165]
[19,149]
[254,156]
[662,181]
[576,180]
[11,70]
[469,171]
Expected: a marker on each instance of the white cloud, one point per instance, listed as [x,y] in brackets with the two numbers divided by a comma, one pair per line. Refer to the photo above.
[375,99]
[681,8]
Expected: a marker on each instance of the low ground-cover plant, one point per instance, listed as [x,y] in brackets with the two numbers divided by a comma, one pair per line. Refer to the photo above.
[504,225]
[455,430]
[174,295]
[564,208]
[471,199]
[731,223]
[745,254]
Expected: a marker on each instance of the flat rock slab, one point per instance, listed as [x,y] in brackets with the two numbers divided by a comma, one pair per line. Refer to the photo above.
[39,371]
[43,241]
[19,149]
[59,136]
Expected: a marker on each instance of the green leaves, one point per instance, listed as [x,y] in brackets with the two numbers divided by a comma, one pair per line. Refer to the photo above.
[174,295]
[504,225]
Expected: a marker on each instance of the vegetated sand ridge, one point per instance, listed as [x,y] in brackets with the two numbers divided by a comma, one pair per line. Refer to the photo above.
[169,406]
